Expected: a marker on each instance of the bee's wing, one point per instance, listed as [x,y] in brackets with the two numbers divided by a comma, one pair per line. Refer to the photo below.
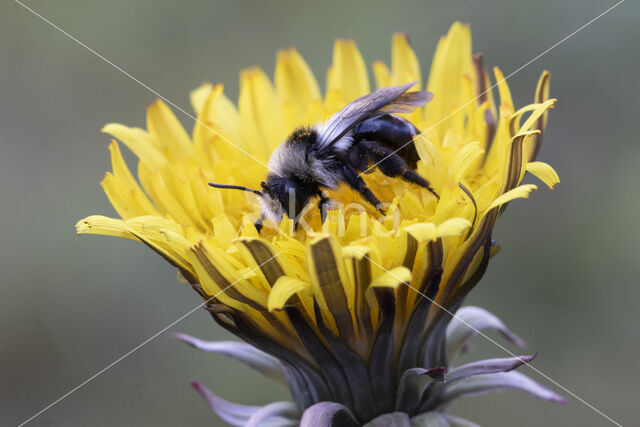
[388,100]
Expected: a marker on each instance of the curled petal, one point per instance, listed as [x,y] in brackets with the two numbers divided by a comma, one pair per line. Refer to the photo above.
[329,414]
[247,354]
[279,414]
[469,321]
[487,366]
[488,383]
[232,413]
[544,172]
[284,288]
[413,384]
[521,192]
[542,94]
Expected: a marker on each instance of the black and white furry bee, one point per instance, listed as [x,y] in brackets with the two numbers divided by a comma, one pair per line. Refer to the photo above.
[317,158]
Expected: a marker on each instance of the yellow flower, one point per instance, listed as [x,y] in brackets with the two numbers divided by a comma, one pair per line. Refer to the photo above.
[292,293]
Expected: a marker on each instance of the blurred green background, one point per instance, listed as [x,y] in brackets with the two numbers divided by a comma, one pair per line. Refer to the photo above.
[566,280]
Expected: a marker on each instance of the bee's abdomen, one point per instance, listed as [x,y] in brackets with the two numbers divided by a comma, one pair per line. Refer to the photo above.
[393,132]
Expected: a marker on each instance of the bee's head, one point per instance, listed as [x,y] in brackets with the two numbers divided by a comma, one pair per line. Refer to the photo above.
[282,195]
[278,196]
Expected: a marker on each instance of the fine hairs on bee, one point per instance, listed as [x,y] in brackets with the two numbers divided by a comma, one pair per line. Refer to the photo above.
[312,159]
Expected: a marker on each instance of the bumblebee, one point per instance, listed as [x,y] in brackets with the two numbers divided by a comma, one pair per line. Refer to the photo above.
[364,135]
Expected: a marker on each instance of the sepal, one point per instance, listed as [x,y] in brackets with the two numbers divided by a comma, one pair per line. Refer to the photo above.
[244,353]
[468,322]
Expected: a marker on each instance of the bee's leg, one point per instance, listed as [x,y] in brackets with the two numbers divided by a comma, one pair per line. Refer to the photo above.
[391,164]
[359,159]
[354,180]
[323,205]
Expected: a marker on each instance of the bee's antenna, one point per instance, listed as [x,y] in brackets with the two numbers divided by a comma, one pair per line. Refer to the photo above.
[235,187]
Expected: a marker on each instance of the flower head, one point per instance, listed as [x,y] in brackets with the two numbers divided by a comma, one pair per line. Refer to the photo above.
[355,307]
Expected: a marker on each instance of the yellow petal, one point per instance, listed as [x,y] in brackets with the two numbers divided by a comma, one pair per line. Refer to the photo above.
[260,120]
[349,71]
[405,67]
[451,62]
[422,232]
[220,279]
[506,102]
[139,142]
[217,125]
[165,128]
[453,227]
[262,257]
[199,96]
[521,192]
[382,74]
[355,251]
[432,166]
[166,201]
[295,81]
[284,288]
[121,171]
[544,172]
[464,158]
[120,198]
[392,278]
[539,110]
[316,112]
[165,237]
[248,227]
[182,190]
[224,231]
[357,227]
[98,224]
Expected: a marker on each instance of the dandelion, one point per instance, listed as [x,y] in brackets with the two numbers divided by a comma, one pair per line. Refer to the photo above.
[354,314]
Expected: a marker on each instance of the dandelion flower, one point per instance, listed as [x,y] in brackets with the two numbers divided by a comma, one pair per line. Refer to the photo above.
[353,314]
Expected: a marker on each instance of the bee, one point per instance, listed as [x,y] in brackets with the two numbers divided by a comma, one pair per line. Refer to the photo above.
[364,135]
